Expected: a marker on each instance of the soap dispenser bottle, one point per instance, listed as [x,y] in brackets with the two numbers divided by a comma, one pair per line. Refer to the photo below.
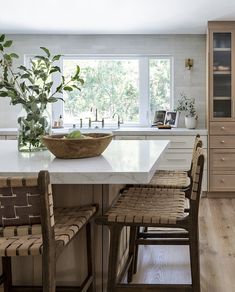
[60,121]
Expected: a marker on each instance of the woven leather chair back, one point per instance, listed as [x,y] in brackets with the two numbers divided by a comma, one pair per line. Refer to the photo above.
[197,143]
[197,173]
[22,200]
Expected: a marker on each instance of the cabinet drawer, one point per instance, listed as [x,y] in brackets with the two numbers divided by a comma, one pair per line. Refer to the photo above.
[129,137]
[221,182]
[11,137]
[222,128]
[222,142]
[180,142]
[176,161]
[220,159]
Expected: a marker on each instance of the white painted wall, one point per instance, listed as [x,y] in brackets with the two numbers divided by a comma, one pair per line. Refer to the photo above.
[179,46]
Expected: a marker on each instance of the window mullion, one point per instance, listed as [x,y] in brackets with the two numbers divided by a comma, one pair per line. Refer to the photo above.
[172,83]
[58,107]
[144,107]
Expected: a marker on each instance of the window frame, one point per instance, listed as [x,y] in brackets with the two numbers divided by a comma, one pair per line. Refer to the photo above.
[144,96]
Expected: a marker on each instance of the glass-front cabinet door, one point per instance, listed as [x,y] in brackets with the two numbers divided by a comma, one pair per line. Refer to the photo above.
[221,77]
[221,102]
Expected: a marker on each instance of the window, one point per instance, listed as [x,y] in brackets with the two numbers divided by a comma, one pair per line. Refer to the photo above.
[159,84]
[133,87]
[111,86]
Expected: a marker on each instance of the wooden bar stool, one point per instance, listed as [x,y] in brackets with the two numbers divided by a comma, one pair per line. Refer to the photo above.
[30,226]
[153,207]
[177,179]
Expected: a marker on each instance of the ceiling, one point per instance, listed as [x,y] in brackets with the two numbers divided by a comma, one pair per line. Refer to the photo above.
[112,16]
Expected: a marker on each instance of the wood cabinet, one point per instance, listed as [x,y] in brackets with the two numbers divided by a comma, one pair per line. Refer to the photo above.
[221,106]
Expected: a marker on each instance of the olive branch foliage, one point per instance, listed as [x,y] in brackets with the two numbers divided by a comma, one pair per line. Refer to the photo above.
[32,87]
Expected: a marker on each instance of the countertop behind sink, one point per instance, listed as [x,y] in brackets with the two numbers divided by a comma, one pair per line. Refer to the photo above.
[148,131]
[122,131]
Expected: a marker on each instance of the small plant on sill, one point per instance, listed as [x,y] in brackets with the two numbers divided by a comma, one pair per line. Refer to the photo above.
[187,105]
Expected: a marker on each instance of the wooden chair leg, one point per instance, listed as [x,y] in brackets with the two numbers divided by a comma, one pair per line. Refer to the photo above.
[194,259]
[135,260]
[7,273]
[115,234]
[49,270]
[90,256]
[132,253]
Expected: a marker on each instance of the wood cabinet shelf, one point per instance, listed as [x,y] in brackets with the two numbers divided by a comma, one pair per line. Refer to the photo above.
[222,49]
[221,98]
[221,72]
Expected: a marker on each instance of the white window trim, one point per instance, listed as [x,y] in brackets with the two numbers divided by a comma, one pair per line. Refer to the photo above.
[144,98]
[144,92]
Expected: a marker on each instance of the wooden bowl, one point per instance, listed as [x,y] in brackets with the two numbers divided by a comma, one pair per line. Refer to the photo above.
[77,148]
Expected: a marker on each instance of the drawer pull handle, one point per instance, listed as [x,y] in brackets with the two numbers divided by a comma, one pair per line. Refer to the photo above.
[222,180]
[176,159]
[222,142]
[222,159]
[222,128]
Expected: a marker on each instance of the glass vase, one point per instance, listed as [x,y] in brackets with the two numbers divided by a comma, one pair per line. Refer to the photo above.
[34,121]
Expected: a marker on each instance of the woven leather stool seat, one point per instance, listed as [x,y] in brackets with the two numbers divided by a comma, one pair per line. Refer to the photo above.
[148,205]
[170,179]
[27,240]
[174,178]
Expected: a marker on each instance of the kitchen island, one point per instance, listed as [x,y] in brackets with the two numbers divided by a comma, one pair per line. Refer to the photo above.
[77,182]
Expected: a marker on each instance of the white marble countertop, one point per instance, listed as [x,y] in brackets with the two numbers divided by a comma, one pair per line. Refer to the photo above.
[122,162]
[127,131]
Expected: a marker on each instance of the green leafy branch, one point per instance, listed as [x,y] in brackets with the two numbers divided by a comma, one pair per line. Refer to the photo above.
[33,86]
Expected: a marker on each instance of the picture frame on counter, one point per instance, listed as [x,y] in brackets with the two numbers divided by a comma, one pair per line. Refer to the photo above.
[172,118]
[159,118]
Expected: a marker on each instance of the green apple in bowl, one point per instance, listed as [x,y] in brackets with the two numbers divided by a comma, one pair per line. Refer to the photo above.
[76,134]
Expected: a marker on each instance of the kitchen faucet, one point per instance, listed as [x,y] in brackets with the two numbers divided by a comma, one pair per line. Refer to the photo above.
[119,120]
[96,118]
[96,114]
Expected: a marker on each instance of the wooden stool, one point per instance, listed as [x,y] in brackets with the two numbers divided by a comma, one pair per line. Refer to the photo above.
[29,226]
[153,207]
[177,179]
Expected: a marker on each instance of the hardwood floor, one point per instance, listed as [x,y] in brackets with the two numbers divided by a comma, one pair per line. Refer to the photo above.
[170,264]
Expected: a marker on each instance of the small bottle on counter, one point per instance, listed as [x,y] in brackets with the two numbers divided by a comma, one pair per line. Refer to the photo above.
[60,121]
